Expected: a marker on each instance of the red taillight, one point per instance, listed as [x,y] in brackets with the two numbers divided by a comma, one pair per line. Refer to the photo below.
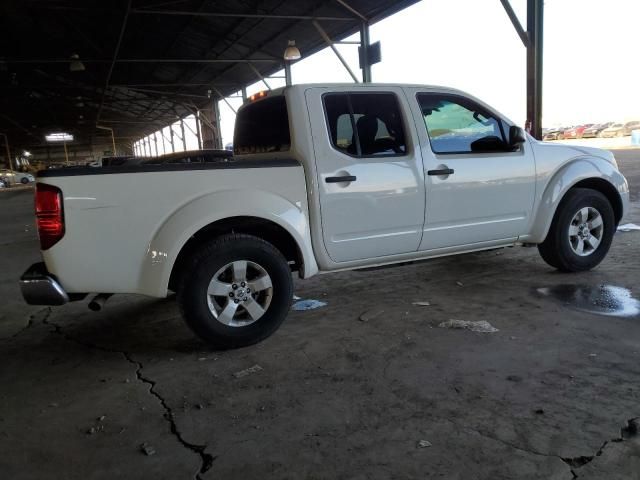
[49,215]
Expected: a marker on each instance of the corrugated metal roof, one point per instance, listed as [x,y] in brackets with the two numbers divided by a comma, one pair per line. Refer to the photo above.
[167,55]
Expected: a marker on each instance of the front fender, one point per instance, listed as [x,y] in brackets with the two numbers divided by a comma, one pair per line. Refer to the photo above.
[566,177]
[182,224]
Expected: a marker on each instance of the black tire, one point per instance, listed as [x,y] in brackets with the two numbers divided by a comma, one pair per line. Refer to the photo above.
[556,249]
[24,180]
[192,291]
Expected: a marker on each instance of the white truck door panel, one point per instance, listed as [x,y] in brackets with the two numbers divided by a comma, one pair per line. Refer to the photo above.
[371,190]
[472,196]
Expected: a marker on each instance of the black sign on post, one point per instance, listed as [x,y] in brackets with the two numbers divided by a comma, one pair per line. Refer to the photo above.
[374,54]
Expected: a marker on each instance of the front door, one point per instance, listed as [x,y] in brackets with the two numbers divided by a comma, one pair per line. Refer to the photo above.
[477,188]
[369,172]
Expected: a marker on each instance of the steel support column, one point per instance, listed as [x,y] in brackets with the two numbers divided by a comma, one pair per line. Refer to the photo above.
[287,73]
[364,48]
[532,40]
[215,109]
[535,14]
[6,144]
[198,129]
[66,153]
[210,126]
[184,138]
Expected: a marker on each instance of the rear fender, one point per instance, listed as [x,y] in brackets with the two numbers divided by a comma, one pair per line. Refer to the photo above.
[181,225]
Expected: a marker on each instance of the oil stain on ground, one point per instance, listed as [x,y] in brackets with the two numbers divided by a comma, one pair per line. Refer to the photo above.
[600,299]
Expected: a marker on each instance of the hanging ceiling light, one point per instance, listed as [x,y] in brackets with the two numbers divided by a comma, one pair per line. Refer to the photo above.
[76,65]
[292,52]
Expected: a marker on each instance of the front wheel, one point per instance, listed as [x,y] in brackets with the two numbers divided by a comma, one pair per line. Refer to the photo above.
[581,231]
[24,180]
[236,291]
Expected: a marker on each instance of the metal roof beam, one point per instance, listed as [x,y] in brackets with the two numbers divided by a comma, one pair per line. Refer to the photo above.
[145,60]
[353,10]
[168,85]
[329,42]
[116,51]
[260,76]
[172,94]
[243,15]
[516,23]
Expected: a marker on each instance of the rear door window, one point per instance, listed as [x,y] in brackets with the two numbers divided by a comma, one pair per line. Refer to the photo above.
[262,127]
[365,124]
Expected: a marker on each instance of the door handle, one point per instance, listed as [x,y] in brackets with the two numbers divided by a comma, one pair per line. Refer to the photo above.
[441,171]
[344,178]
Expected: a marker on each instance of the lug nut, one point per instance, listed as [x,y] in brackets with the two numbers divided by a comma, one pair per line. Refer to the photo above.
[234,286]
[236,301]
[242,284]
[248,290]
[231,294]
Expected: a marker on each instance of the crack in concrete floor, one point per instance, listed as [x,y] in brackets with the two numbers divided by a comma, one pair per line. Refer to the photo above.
[30,322]
[206,459]
[632,429]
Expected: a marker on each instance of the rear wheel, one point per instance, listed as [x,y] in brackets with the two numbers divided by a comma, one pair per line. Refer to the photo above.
[236,291]
[24,180]
[581,231]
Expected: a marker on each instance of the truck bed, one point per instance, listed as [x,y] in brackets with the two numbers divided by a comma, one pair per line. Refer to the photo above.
[113,214]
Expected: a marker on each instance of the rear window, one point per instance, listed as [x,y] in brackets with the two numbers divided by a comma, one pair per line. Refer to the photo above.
[262,127]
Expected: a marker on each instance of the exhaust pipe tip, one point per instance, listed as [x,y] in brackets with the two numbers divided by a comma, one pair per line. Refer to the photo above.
[97,303]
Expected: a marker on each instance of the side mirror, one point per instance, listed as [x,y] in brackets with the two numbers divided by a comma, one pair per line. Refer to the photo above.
[516,136]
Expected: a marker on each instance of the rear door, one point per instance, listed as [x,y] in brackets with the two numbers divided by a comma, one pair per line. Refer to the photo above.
[476,189]
[370,174]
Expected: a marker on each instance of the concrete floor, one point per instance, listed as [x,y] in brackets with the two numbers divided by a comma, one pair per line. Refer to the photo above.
[551,395]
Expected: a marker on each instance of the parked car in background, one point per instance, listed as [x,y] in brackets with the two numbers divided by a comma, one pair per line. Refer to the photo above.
[577,131]
[615,130]
[595,130]
[631,126]
[554,134]
[17,177]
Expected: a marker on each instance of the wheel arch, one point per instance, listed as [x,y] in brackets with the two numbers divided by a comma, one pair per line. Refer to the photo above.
[264,214]
[595,174]
[267,230]
[608,190]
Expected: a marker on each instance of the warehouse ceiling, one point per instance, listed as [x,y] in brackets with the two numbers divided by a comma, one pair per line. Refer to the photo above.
[137,65]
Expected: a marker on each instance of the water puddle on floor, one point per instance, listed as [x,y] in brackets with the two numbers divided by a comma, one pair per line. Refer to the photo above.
[600,299]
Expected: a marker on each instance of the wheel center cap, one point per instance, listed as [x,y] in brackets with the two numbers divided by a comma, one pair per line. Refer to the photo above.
[240,292]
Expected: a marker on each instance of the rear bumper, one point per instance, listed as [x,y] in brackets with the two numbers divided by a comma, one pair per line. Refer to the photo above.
[39,287]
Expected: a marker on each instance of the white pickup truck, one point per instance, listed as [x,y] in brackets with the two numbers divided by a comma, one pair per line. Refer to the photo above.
[323,178]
